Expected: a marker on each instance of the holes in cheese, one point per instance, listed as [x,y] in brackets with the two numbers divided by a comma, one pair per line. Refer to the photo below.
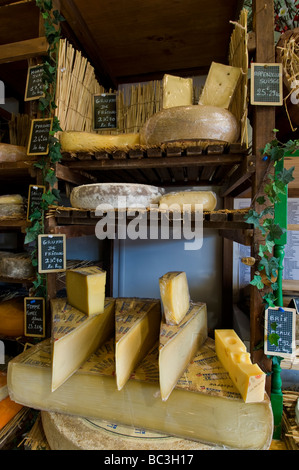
[175,296]
[179,344]
[85,288]
[177,91]
[248,378]
[137,327]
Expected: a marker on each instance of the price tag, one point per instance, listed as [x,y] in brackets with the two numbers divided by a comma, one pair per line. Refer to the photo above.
[39,136]
[35,194]
[51,253]
[34,310]
[34,84]
[266,84]
[104,111]
[281,322]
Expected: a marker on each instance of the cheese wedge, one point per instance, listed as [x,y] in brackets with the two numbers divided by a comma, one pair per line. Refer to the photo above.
[85,288]
[178,345]
[75,141]
[177,91]
[248,378]
[175,296]
[220,85]
[75,336]
[137,326]
[189,199]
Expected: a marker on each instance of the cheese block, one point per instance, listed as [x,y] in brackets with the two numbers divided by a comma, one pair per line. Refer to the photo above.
[177,91]
[220,86]
[13,153]
[178,345]
[137,326]
[175,296]
[12,317]
[11,199]
[190,122]
[16,266]
[188,200]
[3,385]
[76,141]
[115,195]
[247,377]
[204,406]
[75,337]
[85,287]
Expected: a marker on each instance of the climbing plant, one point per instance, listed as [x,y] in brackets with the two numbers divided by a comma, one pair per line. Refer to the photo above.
[45,164]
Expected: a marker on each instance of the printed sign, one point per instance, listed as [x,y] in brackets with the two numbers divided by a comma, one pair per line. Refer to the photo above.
[34,309]
[34,85]
[35,194]
[266,84]
[280,323]
[104,111]
[39,136]
[51,253]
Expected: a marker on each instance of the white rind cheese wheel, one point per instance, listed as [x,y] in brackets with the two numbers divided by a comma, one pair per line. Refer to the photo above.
[75,141]
[65,432]
[190,122]
[181,198]
[115,195]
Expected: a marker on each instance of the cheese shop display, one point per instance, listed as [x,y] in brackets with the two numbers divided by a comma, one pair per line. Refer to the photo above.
[85,288]
[174,291]
[189,198]
[12,317]
[220,85]
[211,413]
[11,206]
[137,326]
[178,345]
[75,336]
[248,378]
[190,122]
[177,91]
[76,141]
[115,195]
[16,265]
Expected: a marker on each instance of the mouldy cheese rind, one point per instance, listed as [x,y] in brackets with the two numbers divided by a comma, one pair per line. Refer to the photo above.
[189,199]
[175,296]
[16,266]
[76,141]
[85,288]
[115,196]
[198,408]
[190,122]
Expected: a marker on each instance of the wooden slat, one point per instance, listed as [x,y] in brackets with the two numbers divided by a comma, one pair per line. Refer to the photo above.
[242,173]
[23,50]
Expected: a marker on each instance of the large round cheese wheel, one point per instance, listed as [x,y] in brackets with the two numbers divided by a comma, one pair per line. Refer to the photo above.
[75,141]
[65,432]
[190,122]
[13,153]
[115,195]
[189,198]
[12,317]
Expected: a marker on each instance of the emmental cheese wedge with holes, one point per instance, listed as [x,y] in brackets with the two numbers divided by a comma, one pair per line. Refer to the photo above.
[175,296]
[248,378]
[85,288]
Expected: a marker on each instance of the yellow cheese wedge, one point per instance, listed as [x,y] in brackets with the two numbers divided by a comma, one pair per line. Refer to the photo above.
[175,296]
[91,142]
[137,326]
[85,288]
[248,378]
[76,336]
[177,91]
[179,344]
[189,199]
[220,85]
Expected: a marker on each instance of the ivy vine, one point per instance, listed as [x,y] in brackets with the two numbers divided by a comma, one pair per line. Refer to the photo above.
[46,164]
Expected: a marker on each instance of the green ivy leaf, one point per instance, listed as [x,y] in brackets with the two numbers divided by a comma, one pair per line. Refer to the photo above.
[269,299]
[261,200]
[286,176]
[257,281]
[273,338]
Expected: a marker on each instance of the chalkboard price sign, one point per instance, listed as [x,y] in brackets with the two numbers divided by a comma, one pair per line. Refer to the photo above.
[34,84]
[39,136]
[51,253]
[281,322]
[104,111]
[34,318]
[35,194]
[266,84]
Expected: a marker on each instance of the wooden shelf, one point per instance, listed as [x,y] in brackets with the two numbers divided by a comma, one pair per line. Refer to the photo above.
[13,224]
[15,170]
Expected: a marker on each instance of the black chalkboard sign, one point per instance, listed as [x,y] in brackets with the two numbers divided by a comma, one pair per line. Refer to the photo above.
[34,84]
[35,194]
[34,318]
[104,111]
[294,304]
[280,321]
[51,253]
[39,136]
[266,84]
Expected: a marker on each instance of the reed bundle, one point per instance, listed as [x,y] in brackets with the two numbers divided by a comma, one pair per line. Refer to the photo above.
[289,425]
[19,127]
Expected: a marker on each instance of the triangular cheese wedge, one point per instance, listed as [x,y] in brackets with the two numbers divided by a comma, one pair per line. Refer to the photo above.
[137,326]
[75,336]
[178,345]
[85,287]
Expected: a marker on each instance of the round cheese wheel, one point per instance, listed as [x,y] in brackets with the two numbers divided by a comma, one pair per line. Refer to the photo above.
[115,196]
[65,432]
[12,317]
[16,266]
[190,122]
[13,153]
[189,198]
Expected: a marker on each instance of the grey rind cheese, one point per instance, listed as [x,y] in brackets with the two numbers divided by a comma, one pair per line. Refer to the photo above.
[190,122]
[115,196]
[16,266]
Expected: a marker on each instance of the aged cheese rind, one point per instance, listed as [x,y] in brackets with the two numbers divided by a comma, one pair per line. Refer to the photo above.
[177,91]
[76,141]
[115,195]
[190,122]
[11,199]
[85,288]
[75,337]
[174,291]
[220,85]
[13,153]
[12,317]
[198,408]
[137,326]
[247,377]
[189,199]
[178,346]
[16,266]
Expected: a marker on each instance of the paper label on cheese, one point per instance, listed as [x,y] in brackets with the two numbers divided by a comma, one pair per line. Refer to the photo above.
[130,311]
